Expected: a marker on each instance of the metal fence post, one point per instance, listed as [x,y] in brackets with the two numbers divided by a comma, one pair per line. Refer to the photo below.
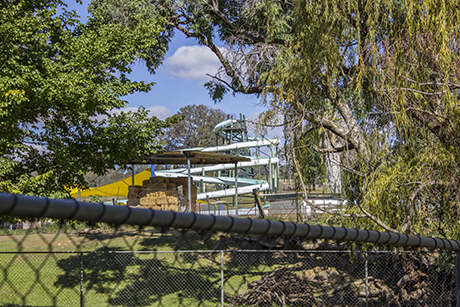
[81,280]
[457,278]
[222,278]
[367,277]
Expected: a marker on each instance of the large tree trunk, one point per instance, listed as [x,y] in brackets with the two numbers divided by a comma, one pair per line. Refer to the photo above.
[333,161]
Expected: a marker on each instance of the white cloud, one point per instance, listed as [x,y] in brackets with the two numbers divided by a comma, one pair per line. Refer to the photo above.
[159,111]
[192,63]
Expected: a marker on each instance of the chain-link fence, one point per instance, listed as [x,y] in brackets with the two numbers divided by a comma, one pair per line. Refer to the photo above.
[253,263]
[228,278]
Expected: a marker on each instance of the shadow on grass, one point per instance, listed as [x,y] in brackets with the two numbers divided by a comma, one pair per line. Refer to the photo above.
[176,240]
[128,279]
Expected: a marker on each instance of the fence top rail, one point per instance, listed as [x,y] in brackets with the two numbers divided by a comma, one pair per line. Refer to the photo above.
[227,251]
[26,206]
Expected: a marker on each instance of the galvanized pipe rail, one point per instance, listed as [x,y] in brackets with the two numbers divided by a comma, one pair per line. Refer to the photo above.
[26,206]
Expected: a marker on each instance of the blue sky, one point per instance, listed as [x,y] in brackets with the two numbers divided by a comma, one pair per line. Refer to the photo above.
[179,81]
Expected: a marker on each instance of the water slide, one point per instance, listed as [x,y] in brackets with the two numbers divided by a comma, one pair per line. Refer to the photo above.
[244,185]
[240,185]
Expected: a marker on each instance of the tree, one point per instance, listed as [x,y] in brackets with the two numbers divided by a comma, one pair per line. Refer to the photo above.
[378,78]
[388,71]
[195,129]
[59,85]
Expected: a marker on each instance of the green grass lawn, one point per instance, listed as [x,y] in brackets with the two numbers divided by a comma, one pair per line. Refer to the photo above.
[48,271]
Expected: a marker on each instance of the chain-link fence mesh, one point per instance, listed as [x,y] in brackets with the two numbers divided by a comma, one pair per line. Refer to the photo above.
[126,266]
[165,258]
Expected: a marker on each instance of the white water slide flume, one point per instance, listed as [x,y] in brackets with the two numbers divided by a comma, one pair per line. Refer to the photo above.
[221,167]
[243,185]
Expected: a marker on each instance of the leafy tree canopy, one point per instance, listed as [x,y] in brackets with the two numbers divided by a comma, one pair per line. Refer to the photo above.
[195,129]
[60,84]
[381,77]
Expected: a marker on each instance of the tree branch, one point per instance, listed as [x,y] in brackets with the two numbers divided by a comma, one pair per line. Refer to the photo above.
[407,219]
[375,219]
[251,36]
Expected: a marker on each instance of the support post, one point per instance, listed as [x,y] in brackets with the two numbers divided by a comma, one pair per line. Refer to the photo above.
[236,188]
[222,278]
[81,281]
[258,203]
[202,184]
[270,174]
[132,174]
[367,278]
[457,278]
[189,184]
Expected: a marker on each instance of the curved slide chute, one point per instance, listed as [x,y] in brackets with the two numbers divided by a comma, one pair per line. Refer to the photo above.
[244,185]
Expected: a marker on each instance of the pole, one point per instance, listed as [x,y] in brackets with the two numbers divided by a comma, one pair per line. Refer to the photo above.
[236,187]
[81,280]
[202,184]
[132,174]
[271,171]
[367,279]
[258,203]
[189,185]
[457,278]
[222,278]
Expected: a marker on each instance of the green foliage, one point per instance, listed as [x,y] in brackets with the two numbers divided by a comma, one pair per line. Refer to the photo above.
[61,83]
[313,166]
[134,12]
[381,77]
[40,185]
[195,129]
[216,90]
[95,199]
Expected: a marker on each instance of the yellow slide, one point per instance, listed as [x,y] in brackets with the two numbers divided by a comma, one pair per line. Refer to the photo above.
[115,189]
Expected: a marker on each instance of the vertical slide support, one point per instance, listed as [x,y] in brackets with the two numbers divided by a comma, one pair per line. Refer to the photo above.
[258,165]
[236,187]
[270,170]
[277,172]
[132,174]
[189,185]
[202,184]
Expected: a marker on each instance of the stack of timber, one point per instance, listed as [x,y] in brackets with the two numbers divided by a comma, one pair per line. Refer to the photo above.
[161,193]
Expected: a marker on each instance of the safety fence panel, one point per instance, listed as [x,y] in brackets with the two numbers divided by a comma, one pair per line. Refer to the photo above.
[228,278]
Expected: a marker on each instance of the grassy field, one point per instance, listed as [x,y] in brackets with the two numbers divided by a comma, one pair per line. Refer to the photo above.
[51,269]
